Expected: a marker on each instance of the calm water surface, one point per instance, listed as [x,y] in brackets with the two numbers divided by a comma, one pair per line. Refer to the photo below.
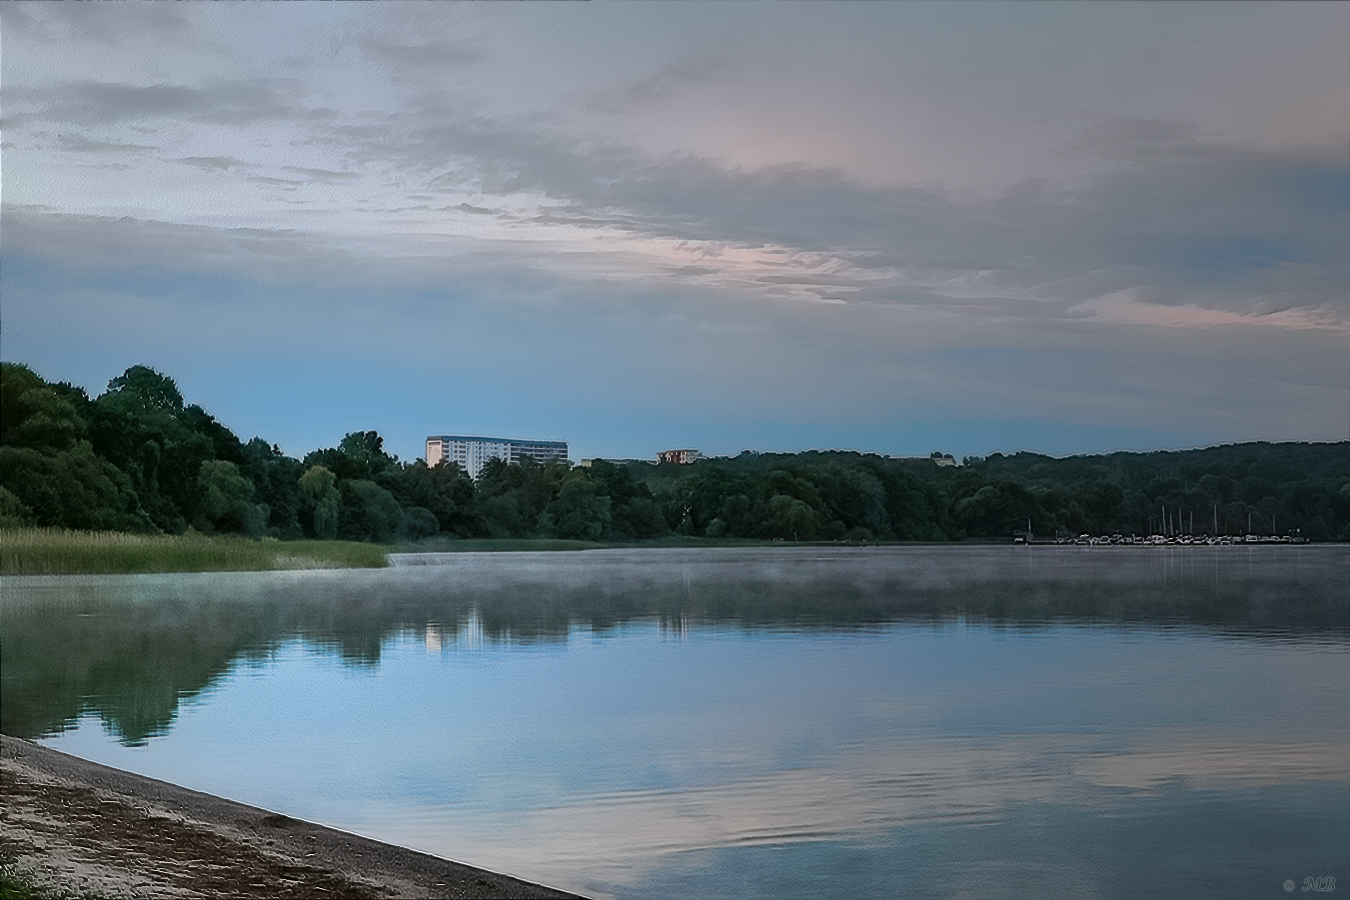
[796,722]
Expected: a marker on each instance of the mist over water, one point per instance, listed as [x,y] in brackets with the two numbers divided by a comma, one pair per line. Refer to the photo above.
[804,721]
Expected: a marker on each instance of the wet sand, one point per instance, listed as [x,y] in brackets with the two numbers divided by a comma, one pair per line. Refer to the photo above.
[76,828]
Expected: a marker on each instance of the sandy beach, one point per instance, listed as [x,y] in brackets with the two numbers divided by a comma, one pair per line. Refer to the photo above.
[76,828]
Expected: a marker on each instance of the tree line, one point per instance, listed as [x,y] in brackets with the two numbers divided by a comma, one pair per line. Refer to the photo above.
[139,458]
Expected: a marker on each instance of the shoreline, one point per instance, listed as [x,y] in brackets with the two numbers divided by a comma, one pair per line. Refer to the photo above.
[36,552]
[71,827]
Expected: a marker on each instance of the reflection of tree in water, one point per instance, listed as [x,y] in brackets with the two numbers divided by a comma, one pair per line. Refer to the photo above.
[131,659]
[131,663]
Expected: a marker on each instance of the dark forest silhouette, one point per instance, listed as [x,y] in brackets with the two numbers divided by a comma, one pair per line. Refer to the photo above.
[138,458]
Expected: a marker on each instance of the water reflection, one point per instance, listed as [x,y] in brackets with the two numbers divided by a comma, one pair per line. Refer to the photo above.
[131,648]
[862,798]
[927,721]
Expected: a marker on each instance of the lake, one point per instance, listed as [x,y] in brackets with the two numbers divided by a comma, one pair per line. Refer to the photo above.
[929,721]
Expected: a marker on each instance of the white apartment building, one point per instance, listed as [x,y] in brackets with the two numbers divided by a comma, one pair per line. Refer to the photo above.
[472,453]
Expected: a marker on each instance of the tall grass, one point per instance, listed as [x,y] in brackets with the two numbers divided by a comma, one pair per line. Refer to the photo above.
[53,551]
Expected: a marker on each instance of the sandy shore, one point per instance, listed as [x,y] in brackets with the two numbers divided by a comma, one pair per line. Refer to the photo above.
[76,828]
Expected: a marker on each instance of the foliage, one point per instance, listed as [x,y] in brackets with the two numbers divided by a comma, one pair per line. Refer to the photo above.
[320,501]
[71,488]
[139,458]
[579,512]
[276,478]
[445,491]
[369,513]
[1230,489]
[513,499]
[226,502]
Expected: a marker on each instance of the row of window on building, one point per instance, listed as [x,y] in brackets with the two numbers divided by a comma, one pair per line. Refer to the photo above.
[473,453]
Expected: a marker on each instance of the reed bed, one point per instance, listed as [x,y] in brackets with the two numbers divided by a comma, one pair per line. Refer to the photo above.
[53,551]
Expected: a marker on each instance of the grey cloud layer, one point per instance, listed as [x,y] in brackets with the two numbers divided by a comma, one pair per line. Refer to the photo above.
[421,192]
[1177,220]
[95,103]
[1183,221]
[1169,218]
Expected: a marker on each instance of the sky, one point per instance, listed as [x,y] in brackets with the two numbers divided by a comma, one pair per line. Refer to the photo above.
[886,227]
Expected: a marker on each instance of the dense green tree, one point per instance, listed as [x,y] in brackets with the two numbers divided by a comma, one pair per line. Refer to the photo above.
[147,389]
[998,510]
[45,421]
[50,475]
[139,457]
[790,519]
[444,490]
[15,381]
[633,513]
[141,425]
[226,503]
[369,513]
[359,455]
[580,511]
[71,489]
[421,522]
[918,503]
[14,513]
[320,502]
[856,501]
[513,498]
[276,478]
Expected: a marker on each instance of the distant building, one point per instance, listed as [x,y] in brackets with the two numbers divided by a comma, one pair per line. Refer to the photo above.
[679,457]
[472,453]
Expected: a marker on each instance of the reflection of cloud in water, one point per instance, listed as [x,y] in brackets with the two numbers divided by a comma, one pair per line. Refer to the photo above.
[1248,764]
[860,796]
[778,697]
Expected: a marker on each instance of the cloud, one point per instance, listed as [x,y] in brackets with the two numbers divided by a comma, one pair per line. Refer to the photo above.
[98,103]
[100,26]
[655,88]
[412,59]
[85,243]
[766,216]
[215,163]
[1185,222]
[1172,216]
[1176,219]
[862,795]
[325,176]
[473,210]
[74,143]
